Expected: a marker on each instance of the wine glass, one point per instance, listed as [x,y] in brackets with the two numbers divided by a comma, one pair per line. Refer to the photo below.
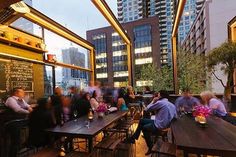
[87,123]
[181,109]
[75,114]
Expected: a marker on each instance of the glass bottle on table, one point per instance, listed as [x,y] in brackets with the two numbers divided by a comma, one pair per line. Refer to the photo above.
[90,114]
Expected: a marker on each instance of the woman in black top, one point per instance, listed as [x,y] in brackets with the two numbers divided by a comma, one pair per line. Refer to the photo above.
[83,105]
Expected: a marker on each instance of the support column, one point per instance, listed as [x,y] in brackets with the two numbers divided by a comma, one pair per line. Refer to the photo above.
[174,61]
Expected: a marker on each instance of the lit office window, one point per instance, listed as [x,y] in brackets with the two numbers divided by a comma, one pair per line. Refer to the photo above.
[101,75]
[119,53]
[101,55]
[143,83]
[101,65]
[143,50]
[120,84]
[141,61]
[121,74]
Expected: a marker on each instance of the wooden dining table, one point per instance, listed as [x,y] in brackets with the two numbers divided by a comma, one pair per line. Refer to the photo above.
[217,137]
[78,128]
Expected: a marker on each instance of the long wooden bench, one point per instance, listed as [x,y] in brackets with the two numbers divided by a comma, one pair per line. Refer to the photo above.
[108,144]
[166,148]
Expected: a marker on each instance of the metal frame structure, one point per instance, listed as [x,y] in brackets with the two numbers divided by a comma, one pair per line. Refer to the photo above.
[179,12]
[232,30]
[108,14]
[20,9]
[232,38]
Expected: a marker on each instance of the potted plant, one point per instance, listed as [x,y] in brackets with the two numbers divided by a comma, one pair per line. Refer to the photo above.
[200,113]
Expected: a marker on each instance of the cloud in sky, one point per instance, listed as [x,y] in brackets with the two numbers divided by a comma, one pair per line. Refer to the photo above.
[77,15]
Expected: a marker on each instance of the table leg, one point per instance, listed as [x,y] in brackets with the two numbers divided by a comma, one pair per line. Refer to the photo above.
[90,144]
[185,154]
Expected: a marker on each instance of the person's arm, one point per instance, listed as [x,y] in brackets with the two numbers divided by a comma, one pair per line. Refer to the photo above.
[131,95]
[153,106]
[12,103]
[93,103]
[30,109]
[214,103]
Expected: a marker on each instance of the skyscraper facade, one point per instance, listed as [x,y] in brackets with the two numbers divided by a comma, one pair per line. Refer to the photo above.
[73,77]
[131,10]
[188,16]
[209,30]
[111,51]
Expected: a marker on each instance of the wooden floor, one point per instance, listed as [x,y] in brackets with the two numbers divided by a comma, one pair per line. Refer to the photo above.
[141,149]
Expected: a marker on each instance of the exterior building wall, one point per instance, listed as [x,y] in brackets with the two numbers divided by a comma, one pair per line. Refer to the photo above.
[188,16]
[144,35]
[209,30]
[131,10]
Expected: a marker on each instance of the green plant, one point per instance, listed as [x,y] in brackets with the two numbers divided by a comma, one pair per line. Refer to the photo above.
[160,78]
[225,57]
[191,71]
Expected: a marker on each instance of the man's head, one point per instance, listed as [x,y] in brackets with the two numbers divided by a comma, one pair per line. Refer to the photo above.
[186,92]
[19,92]
[163,94]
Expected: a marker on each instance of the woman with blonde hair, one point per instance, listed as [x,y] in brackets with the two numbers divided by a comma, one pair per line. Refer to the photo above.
[214,103]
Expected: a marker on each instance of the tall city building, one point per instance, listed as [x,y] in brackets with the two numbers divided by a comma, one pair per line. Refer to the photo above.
[73,77]
[188,16]
[209,30]
[111,51]
[24,24]
[199,4]
[131,10]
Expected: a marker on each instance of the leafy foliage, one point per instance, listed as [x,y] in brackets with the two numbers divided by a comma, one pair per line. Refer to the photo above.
[161,78]
[191,71]
[224,56]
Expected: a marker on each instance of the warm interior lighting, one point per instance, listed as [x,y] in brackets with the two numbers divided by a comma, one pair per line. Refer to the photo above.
[20,7]
[107,13]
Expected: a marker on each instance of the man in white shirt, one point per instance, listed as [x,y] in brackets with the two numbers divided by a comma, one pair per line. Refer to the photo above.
[17,103]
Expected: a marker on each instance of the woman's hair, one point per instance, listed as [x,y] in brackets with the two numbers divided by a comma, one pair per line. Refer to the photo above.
[42,103]
[94,95]
[129,89]
[121,93]
[207,95]
[58,91]
[85,95]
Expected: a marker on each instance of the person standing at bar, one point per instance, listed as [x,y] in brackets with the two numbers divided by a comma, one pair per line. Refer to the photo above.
[17,103]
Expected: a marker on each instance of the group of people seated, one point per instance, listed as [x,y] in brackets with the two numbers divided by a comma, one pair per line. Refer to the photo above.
[166,112]
[59,108]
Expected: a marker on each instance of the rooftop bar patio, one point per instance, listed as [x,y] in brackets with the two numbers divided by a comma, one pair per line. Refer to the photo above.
[43,116]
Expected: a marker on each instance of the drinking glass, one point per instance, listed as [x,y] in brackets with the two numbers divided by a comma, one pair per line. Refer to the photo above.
[75,114]
[87,123]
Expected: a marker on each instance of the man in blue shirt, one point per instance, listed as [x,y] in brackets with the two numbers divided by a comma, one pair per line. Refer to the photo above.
[186,102]
[165,112]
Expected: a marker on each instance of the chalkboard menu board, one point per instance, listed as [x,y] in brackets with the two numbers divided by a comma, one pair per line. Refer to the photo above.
[16,74]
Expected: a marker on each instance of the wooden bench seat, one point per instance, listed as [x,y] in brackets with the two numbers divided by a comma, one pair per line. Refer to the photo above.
[166,148]
[108,144]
